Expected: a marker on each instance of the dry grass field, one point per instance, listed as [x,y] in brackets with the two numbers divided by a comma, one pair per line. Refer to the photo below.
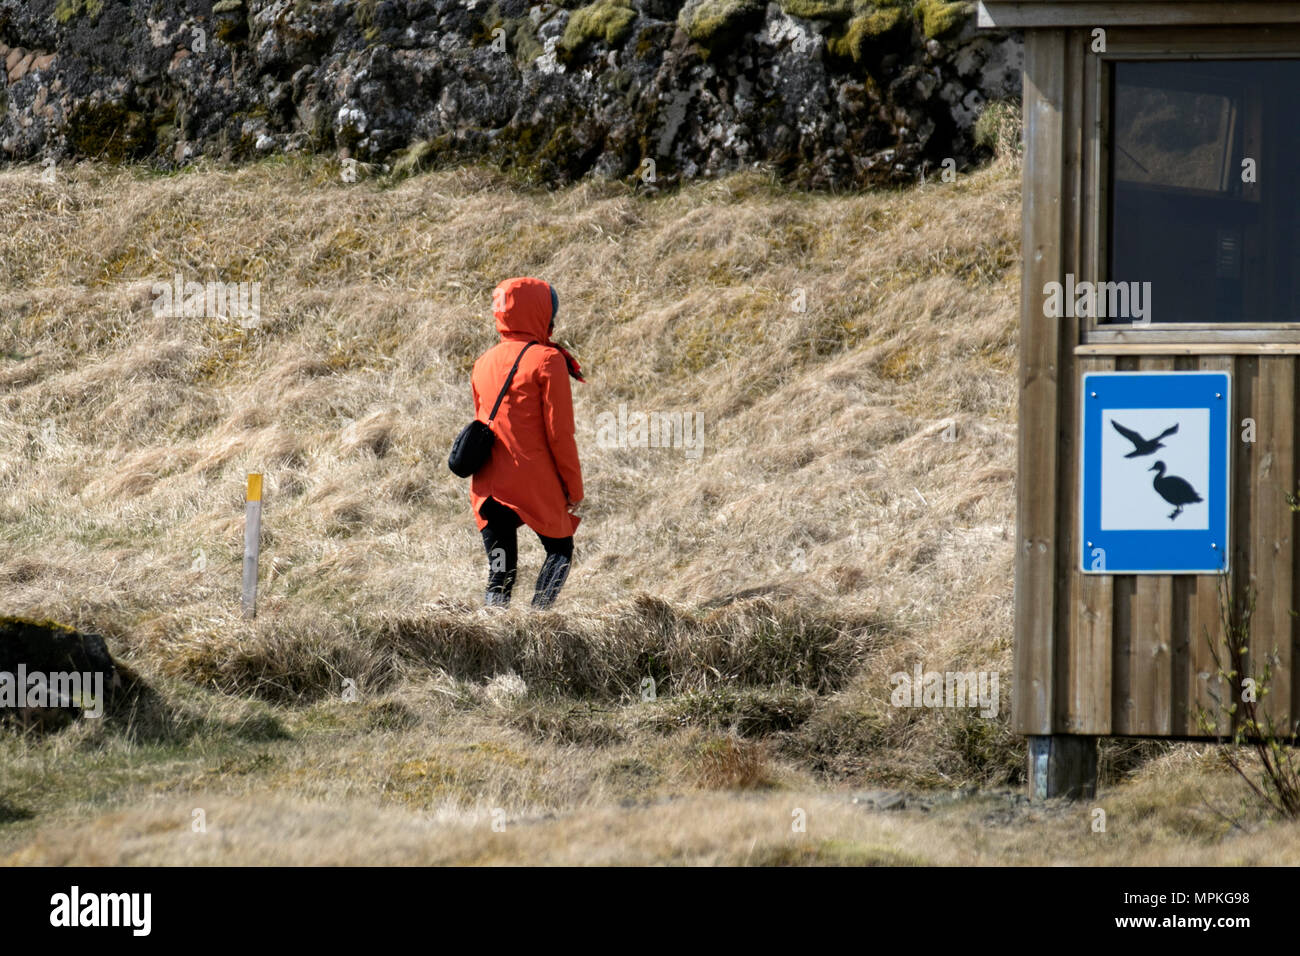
[851,516]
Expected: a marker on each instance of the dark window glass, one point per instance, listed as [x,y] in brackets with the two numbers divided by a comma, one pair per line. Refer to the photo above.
[1184,216]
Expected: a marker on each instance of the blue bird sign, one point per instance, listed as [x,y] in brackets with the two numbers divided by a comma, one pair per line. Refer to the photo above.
[1155,472]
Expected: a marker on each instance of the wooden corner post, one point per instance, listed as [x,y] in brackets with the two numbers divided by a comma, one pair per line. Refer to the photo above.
[1062,765]
[1059,764]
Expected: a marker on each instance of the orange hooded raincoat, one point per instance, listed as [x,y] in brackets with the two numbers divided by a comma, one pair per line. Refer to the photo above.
[534,467]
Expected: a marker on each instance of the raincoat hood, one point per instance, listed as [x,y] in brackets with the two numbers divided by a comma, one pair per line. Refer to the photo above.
[525,309]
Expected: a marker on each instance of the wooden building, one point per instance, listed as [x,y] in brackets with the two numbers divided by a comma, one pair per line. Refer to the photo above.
[1161,146]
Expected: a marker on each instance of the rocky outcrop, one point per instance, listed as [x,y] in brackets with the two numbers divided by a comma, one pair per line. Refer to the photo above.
[50,673]
[829,93]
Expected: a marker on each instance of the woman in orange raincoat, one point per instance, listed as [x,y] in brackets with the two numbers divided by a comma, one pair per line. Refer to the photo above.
[533,476]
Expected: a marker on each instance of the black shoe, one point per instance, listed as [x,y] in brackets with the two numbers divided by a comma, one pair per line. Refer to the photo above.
[550,580]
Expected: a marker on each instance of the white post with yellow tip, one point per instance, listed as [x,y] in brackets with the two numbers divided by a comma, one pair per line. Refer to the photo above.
[252,542]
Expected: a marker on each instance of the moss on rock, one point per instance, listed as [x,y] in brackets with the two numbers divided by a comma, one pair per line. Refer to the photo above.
[108,131]
[521,40]
[710,22]
[605,21]
[652,38]
[872,22]
[485,25]
[940,18]
[818,9]
[550,156]
[230,21]
[65,11]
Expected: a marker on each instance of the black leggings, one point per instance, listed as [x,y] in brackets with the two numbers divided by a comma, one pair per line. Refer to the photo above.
[501,541]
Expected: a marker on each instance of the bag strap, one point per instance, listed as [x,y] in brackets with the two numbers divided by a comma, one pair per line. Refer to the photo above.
[509,378]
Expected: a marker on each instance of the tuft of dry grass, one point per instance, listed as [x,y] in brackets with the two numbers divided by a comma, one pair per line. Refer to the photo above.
[731,763]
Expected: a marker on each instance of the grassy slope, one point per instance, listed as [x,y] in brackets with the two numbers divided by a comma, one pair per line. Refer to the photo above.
[828,537]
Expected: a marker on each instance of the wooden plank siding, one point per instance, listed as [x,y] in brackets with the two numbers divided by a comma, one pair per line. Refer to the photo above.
[1271,540]
[1207,696]
[1151,637]
[1073,145]
[1133,655]
[1087,699]
[1246,368]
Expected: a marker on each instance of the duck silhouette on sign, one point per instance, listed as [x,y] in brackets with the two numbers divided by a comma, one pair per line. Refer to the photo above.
[1143,446]
[1173,489]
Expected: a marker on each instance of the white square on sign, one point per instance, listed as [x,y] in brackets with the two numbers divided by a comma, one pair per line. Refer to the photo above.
[1137,494]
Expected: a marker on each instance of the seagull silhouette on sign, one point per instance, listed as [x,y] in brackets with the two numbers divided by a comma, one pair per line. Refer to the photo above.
[1173,489]
[1143,446]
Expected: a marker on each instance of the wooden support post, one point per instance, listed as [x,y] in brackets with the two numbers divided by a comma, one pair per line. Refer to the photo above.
[252,542]
[1062,765]
[1033,704]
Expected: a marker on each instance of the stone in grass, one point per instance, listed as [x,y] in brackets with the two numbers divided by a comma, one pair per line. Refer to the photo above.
[47,653]
[881,799]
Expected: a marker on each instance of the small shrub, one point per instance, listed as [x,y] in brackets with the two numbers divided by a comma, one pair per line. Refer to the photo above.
[730,763]
[998,129]
[747,712]
[582,724]
[1275,781]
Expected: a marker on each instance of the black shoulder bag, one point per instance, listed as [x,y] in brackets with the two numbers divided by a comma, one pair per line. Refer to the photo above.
[473,446]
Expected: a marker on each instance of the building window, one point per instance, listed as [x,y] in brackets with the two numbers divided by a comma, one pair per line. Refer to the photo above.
[1204,203]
